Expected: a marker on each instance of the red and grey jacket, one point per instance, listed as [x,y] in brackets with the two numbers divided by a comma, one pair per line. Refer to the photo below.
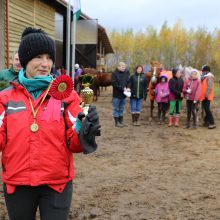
[42,157]
[195,86]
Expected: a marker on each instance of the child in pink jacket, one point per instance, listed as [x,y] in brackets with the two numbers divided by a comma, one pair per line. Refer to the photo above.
[162,97]
[192,92]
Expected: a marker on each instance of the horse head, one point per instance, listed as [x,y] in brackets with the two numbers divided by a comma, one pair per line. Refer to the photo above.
[154,74]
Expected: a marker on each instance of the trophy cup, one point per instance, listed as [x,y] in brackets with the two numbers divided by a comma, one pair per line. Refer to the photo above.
[86,94]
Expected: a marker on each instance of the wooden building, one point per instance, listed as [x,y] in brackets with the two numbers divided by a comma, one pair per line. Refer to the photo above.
[51,17]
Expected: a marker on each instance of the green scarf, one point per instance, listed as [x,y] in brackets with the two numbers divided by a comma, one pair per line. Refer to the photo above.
[36,85]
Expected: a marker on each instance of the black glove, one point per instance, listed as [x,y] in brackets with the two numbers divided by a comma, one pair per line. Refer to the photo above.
[90,129]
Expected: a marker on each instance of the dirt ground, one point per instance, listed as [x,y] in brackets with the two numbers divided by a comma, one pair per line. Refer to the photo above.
[147,173]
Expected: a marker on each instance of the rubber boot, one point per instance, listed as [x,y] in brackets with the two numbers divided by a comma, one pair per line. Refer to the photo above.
[137,119]
[117,124]
[187,124]
[194,126]
[121,121]
[177,120]
[159,121]
[133,119]
[163,119]
[170,121]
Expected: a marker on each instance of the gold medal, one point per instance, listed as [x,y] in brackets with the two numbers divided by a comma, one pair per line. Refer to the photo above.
[34,127]
[62,87]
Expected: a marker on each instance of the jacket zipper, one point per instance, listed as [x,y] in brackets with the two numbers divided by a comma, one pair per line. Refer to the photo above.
[138,86]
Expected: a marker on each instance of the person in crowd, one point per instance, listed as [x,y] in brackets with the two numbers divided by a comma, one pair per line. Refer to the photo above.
[176,96]
[78,72]
[207,95]
[11,74]
[39,133]
[62,70]
[57,72]
[192,91]
[120,81]
[138,87]
[162,98]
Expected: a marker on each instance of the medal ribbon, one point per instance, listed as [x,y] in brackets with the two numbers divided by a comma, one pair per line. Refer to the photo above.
[34,112]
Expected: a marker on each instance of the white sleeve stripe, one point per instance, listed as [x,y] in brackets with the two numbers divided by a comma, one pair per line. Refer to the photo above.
[72,118]
[16,108]
[1,118]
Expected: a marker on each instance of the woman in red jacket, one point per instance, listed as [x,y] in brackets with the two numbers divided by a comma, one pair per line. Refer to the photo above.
[39,133]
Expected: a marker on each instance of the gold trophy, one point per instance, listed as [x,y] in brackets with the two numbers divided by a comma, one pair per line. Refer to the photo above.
[86,94]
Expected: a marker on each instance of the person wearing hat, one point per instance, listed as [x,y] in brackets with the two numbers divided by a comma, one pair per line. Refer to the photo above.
[162,97]
[39,133]
[11,74]
[176,96]
[207,95]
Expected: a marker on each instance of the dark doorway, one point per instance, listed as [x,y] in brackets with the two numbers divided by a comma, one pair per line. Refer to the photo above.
[86,55]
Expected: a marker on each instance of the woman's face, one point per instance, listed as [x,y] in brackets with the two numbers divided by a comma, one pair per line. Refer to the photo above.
[178,74]
[194,75]
[16,63]
[163,80]
[139,70]
[39,66]
[122,67]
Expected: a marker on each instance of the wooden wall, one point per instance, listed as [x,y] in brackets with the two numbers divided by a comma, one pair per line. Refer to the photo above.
[2,34]
[26,13]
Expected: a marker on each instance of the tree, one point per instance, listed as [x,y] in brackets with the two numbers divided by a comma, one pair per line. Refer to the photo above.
[170,46]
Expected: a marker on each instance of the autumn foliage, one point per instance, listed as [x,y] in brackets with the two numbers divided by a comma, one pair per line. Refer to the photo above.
[171,46]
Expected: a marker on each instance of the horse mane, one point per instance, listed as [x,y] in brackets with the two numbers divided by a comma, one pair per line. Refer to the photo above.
[187,70]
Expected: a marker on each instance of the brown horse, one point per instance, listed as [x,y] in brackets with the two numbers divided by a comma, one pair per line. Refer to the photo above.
[104,79]
[153,79]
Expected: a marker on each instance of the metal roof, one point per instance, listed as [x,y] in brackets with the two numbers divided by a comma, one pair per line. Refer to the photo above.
[102,36]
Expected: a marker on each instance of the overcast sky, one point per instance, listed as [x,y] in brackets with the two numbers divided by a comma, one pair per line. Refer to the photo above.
[138,14]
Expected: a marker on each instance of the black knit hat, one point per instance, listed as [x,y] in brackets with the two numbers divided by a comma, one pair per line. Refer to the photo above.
[174,71]
[206,68]
[33,43]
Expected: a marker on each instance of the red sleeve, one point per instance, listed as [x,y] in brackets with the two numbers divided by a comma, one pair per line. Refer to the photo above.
[198,91]
[184,86]
[70,114]
[74,143]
